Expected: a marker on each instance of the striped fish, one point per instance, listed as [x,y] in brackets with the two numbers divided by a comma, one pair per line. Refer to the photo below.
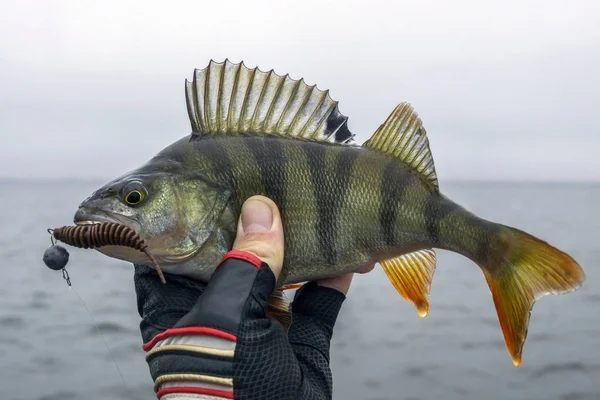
[343,205]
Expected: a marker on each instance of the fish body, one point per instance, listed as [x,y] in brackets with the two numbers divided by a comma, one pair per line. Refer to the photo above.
[342,205]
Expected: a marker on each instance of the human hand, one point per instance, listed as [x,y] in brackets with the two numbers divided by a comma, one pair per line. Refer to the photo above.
[216,339]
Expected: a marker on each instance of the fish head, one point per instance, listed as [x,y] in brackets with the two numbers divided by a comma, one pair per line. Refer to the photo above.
[173,213]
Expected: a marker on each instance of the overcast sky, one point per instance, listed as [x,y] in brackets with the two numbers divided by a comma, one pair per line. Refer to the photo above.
[506,89]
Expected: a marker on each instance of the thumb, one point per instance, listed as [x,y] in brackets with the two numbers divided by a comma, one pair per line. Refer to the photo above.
[260,232]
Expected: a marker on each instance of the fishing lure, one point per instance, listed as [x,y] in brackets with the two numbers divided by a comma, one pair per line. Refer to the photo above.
[93,236]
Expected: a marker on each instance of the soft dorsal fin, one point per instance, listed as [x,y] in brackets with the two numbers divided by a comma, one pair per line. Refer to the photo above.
[232,98]
[402,135]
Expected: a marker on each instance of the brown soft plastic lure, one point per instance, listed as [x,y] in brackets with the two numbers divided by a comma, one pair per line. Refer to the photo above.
[93,236]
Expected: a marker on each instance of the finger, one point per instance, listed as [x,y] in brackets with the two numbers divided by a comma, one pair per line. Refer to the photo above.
[366,268]
[260,232]
[340,283]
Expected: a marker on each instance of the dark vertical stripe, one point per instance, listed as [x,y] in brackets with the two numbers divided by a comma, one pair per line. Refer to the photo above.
[325,228]
[391,189]
[345,163]
[436,209]
[483,254]
[221,165]
[343,175]
[487,234]
[268,155]
[329,194]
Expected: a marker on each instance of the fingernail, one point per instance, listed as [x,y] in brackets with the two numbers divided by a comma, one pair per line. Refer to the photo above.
[256,216]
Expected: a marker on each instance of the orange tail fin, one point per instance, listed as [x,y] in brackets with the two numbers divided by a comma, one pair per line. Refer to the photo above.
[523,269]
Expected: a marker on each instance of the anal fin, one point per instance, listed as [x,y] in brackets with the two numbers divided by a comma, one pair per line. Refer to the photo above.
[411,275]
[278,307]
[292,286]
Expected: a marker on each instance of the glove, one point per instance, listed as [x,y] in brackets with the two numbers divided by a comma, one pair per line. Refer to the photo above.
[216,341]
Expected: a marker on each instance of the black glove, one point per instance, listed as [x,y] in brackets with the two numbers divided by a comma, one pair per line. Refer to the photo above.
[215,341]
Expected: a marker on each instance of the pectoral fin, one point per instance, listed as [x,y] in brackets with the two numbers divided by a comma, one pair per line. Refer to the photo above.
[411,275]
[278,307]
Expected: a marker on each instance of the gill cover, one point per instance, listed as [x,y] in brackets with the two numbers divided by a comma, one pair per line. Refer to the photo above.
[201,209]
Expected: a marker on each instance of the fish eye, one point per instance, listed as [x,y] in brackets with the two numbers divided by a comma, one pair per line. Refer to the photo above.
[134,197]
[133,194]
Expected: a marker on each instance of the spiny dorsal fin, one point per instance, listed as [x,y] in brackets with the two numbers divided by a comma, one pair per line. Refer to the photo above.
[232,98]
[403,136]
[411,275]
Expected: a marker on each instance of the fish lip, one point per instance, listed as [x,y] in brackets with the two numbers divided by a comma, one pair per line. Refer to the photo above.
[91,216]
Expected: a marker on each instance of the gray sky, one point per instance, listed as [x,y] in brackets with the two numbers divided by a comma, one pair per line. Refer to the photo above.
[506,89]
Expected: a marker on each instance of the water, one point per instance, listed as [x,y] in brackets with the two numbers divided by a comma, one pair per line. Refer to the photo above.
[50,350]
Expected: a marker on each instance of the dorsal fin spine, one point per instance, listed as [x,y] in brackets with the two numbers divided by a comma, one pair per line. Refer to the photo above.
[256,98]
[264,79]
[207,99]
[315,110]
[276,95]
[190,100]
[325,117]
[243,113]
[260,98]
[233,94]
[201,99]
[326,114]
[219,100]
[293,107]
[287,104]
[224,98]
[191,91]
[304,101]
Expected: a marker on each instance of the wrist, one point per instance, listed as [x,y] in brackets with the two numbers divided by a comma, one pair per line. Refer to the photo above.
[195,357]
[318,301]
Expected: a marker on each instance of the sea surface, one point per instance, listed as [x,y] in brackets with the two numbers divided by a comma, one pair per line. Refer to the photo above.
[50,348]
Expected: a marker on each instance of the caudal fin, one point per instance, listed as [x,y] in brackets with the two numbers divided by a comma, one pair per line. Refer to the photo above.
[522,269]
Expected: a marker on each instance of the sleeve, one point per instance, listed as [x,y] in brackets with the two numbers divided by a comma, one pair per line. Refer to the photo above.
[216,342]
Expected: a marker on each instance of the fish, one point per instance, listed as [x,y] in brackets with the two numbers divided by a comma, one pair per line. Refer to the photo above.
[343,205]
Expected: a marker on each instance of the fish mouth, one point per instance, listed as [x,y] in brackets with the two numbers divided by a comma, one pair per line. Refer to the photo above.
[90,216]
